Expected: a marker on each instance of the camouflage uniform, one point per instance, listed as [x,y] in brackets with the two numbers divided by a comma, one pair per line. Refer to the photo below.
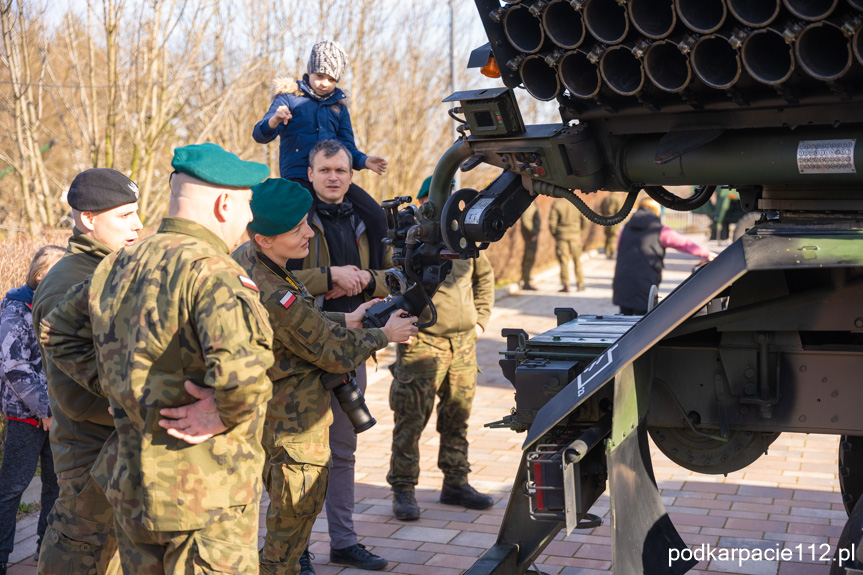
[441,361]
[610,205]
[171,308]
[566,224]
[530,225]
[306,343]
[80,533]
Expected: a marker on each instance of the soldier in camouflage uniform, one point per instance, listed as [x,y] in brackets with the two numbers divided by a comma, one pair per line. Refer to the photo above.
[152,321]
[566,224]
[308,344]
[610,206]
[442,362]
[530,226]
[80,532]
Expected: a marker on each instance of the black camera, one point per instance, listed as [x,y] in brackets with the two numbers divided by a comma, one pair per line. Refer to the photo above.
[345,388]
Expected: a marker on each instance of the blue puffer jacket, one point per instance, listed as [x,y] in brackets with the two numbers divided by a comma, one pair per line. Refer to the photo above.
[23,390]
[311,121]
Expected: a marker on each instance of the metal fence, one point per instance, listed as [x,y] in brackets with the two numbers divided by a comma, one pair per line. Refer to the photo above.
[686,222]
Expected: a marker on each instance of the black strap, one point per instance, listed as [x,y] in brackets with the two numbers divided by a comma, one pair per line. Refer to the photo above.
[278,270]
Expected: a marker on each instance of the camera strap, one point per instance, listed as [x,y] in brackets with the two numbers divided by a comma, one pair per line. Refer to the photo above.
[279,271]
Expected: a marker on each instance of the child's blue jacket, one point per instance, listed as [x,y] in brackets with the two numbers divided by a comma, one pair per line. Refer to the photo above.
[312,121]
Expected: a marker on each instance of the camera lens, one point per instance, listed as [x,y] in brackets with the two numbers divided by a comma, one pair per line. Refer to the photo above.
[354,405]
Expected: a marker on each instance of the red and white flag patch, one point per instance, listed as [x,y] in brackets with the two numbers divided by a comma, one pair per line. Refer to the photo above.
[288,300]
[248,283]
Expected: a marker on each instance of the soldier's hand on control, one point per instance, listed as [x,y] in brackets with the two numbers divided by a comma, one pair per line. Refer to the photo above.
[282,115]
[349,278]
[377,164]
[354,319]
[400,327]
[196,422]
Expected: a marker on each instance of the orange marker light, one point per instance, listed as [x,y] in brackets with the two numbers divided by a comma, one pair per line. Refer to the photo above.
[490,69]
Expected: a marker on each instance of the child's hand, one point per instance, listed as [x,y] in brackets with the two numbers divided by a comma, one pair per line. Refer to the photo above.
[377,164]
[282,115]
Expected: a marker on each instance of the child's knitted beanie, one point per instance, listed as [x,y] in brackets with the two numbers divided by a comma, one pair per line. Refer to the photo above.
[328,57]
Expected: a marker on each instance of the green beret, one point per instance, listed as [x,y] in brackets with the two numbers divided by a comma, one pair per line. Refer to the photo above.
[278,205]
[212,164]
[424,189]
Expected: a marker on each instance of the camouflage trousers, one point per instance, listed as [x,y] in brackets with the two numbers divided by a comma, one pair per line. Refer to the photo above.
[227,545]
[528,259]
[432,366]
[297,492]
[610,241]
[80,537]
[569,251]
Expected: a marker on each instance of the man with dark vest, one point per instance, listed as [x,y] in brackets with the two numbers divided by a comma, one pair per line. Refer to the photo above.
[640,256]
[343,269]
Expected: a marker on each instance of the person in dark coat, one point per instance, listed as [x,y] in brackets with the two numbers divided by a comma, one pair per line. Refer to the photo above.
[640,255]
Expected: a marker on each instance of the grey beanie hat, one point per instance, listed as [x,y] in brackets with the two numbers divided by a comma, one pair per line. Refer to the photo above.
[328,57]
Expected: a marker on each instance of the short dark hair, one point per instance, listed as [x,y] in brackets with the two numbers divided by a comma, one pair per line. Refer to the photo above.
[330,148]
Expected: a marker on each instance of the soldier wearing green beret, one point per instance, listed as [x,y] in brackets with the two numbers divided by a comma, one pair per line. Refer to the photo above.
[154,320]
[80,535]
[307,344]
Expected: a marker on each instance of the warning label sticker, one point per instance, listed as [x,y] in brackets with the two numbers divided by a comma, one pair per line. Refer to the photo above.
[826,156]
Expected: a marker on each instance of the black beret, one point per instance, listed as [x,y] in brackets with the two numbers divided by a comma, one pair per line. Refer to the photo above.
[101,189]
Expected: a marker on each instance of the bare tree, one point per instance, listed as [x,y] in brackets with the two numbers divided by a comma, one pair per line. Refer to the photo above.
[23,33]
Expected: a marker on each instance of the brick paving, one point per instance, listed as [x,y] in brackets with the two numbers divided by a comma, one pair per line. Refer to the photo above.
[788,499]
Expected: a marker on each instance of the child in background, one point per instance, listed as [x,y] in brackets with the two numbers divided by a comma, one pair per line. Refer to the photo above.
[24,401]
[312,109]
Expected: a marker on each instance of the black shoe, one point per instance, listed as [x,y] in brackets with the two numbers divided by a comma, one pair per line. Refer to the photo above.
[527,287]
[3,568]
[357,556]
[564,289]
[306,567]
[405,506]
[466,496]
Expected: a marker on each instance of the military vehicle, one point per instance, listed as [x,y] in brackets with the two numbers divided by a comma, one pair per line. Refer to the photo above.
[762,95]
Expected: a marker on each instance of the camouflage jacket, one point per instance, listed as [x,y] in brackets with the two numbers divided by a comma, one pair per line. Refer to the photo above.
[610,204]
[306,343]
[23,394]
[565,222]
[171,308]
[531,221]
[464,299]
[82,423]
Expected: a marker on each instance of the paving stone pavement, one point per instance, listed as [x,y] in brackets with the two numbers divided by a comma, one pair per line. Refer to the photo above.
[788,499]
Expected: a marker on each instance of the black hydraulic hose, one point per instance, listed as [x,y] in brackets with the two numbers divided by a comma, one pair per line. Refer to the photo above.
[673,202]
[554,191]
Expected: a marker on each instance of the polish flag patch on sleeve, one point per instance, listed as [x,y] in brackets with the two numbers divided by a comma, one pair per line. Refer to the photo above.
[248,283]
[288,300]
